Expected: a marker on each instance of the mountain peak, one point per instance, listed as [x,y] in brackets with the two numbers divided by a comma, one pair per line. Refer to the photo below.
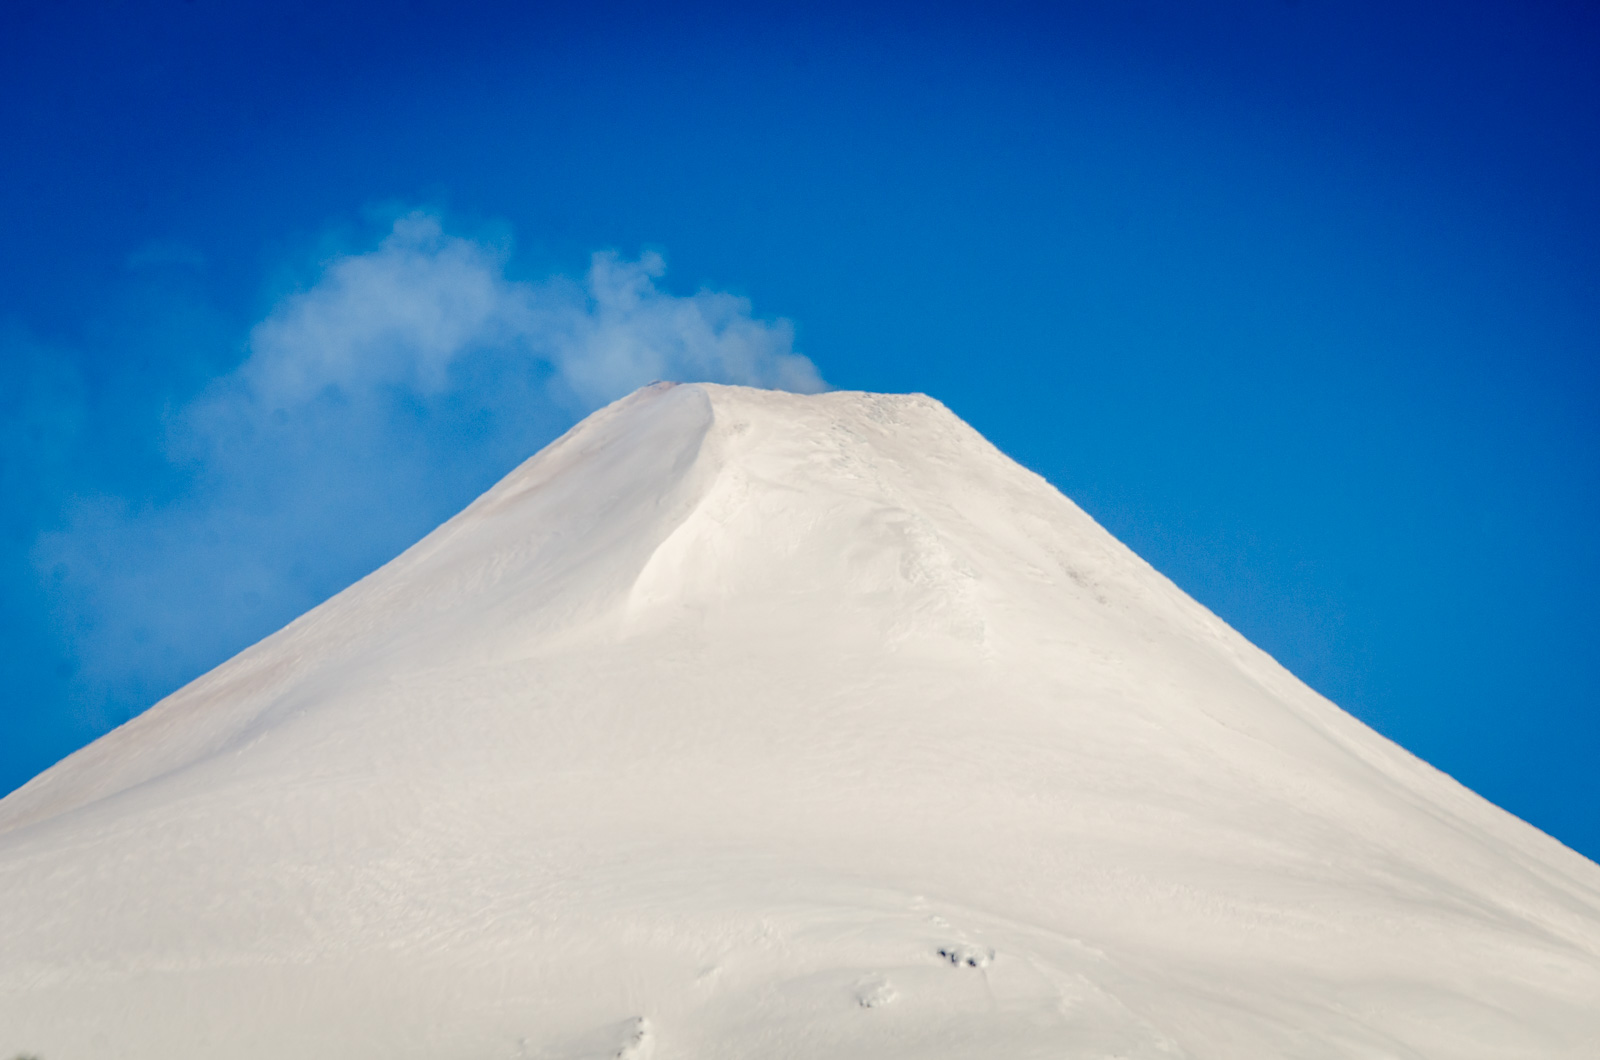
[741,722]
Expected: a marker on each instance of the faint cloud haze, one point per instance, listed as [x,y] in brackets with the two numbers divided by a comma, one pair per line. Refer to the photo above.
[407,312]
[369,407]
[625,331]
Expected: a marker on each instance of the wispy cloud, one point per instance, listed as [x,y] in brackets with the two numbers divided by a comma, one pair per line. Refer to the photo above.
[406,312]
[626,331]
[368,407]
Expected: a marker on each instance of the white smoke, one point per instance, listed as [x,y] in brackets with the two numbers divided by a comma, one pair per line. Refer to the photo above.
[405,313]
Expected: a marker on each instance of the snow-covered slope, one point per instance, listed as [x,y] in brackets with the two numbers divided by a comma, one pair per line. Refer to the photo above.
[740,724]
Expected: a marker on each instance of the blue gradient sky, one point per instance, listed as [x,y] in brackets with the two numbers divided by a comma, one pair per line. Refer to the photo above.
[1300,300]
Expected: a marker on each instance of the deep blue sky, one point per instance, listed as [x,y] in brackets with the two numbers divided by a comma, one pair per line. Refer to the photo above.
[1300,300]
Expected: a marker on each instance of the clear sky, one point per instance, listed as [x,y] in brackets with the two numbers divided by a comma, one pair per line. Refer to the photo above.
[1301,300]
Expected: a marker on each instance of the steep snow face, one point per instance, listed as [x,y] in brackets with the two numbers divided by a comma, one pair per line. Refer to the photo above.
[739,723]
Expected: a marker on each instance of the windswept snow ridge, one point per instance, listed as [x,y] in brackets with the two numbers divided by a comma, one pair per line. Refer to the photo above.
[740,724]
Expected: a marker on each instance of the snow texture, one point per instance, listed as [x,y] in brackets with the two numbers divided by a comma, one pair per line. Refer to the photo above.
[744,724]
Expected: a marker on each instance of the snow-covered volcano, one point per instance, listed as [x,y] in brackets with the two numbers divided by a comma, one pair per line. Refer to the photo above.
[741,724]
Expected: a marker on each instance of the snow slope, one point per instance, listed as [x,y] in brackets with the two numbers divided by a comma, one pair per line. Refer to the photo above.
[742,724]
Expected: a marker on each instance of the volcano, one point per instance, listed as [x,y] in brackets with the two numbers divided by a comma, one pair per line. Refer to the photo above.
[742,724]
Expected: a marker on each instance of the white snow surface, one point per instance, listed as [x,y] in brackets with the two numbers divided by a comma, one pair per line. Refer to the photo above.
[743,724]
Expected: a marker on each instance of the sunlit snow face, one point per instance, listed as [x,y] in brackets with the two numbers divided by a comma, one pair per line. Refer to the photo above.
[737,721]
